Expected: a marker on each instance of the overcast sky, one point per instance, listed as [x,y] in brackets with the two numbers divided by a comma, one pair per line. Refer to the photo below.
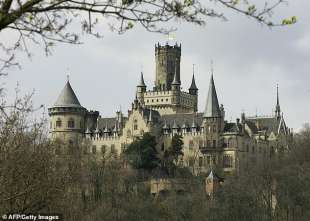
[249,60]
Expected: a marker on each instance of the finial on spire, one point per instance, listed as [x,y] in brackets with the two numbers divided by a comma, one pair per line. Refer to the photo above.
[141,83]
[193,69]
[212,69]
[68,74]
[278,109]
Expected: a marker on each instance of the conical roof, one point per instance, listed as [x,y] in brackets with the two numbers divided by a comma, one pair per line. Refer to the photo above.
[193,84]
[212,106]
[67,98]
[141,83]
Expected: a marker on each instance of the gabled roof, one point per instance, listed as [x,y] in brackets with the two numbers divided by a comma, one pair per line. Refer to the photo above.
[67,98]
[212,106]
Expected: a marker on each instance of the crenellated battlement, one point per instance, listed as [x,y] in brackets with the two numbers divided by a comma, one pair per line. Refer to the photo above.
[166,48]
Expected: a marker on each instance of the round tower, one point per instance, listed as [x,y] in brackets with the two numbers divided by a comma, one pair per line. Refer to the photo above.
[67,117]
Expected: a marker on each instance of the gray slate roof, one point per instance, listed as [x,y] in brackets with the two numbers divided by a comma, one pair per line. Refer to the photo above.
[212,105]
[269,124]
[67,98]
[141,83]
[193,84]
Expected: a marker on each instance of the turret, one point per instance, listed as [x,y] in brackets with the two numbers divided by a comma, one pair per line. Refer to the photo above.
[67,117]
[193,90]
[141,89]
[213,119]
[176,84]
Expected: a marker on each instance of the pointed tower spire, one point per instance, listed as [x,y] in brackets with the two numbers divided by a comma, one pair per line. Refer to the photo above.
[193,88]
[141,82]
[67,97]
[176,80]
[278,109]
[212,106]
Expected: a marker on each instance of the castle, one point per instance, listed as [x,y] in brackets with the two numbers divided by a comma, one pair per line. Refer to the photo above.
[209,140]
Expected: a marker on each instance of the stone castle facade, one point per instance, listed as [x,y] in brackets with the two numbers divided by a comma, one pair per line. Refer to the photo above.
[209,140]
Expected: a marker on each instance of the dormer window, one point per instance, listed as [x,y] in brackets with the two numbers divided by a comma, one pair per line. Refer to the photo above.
[71,123]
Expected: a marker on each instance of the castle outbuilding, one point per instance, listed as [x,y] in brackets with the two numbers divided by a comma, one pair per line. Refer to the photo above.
[210,142]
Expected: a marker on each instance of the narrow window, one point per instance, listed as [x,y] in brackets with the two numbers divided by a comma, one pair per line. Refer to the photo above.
[191,144]
[135,125]
[94,149]
[200,161]
[58,123]
[113,148]
[214,143]
[103,149]
[71,123]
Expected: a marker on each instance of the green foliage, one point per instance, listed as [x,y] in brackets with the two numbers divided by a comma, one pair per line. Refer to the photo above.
[289,21]
[172,154]
[142,153]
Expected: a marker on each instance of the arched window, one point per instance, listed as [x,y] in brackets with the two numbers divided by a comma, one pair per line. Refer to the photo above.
[128,133]
[135,125]
[94,149]
[227,161]
[103,149]
[70,123]
[58,122]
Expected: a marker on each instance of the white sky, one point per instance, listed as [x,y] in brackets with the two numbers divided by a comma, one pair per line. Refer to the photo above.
[249,60]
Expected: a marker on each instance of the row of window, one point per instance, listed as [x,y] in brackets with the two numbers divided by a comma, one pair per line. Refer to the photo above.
[103,149]
[157,100]
[208,144]
[211,160]
[70,123]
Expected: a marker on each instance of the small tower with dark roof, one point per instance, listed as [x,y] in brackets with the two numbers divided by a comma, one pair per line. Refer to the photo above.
[193,90]
[278,109]
[141,89]
[67,116]
[176,84]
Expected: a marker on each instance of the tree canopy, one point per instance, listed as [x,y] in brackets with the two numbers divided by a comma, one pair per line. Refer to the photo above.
[142,153]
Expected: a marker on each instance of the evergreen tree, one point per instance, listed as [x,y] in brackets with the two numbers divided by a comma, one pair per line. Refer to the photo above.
[142,153]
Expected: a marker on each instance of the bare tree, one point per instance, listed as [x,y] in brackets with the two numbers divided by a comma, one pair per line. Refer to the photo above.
[46,22]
